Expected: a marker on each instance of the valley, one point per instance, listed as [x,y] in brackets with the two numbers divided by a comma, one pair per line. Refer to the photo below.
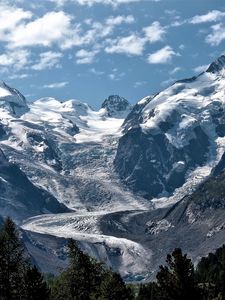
[129,183]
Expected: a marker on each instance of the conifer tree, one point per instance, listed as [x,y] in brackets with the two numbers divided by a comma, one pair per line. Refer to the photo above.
[176,280]
[36,287]
[81,280]
[148,291]
[12,263]
[113,288]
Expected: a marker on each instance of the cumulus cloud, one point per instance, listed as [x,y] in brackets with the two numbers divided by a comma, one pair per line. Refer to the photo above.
[130,45]
[10,17]
[15,59]
[162,56]
[53,27]
[211,16]
[154,32]
[47,60]
[85,57]
[112,21]
[56,85]
[217,35]
[96,31]
[134,44]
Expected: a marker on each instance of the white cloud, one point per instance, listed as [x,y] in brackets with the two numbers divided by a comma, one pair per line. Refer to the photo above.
[200,69]
[10,17]
[175,70]
[134,44]
[56,85]
[18,76]
[85,57]
[211,16]
[115,75]
[53,27]
[154,32]
[130,45]
[96,72]
[217,35]
[47,60]
[178,23]
[162,56]
[93,2]
[112,21]
[16,59]
[97,31]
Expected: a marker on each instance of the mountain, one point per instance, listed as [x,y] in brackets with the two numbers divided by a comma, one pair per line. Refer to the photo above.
[129,183]
[65,150]
[175,138]
[11,100]
[116,106]
[20,198]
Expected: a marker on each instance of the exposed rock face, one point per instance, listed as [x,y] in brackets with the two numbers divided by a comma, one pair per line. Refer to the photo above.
[170,145]
[19,197]
[170,135]
[217,65]
[116,106]
[152,165]
[196,224]
[12,100]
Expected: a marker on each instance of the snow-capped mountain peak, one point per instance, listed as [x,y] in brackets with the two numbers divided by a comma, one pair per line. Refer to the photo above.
[116,106]
[11,100]
[217,65]
[178,133]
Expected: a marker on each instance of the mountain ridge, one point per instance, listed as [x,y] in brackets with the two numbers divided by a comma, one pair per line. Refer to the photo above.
[129,180]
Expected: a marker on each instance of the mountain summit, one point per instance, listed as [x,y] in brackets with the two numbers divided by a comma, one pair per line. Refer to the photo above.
[11,100]
[124,178]
[174,139]
[217,65]
[116,106]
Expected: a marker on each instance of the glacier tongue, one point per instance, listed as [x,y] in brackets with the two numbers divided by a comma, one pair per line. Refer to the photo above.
[168,145]
[127,257]
[68,149]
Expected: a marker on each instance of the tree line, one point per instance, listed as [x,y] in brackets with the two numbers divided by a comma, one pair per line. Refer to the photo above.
[87,279]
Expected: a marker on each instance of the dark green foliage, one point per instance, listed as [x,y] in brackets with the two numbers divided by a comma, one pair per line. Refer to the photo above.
[18,280]
[86,279]
[36,287]
[176,280]
[210,272]
[12,263]
[82,278]
[113,288]
[148,291]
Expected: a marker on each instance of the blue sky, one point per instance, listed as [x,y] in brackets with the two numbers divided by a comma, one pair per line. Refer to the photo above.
[89,49]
